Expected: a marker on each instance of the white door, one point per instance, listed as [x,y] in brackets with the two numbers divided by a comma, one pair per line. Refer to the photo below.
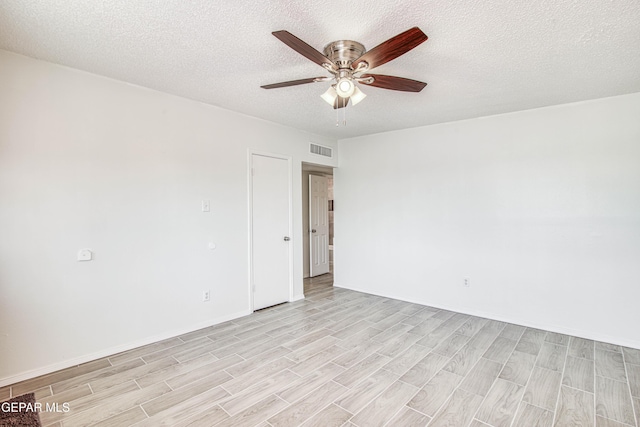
[319,225]
[270,231]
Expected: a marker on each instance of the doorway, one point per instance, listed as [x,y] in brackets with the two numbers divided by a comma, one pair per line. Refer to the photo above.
[318,265]
[318,225]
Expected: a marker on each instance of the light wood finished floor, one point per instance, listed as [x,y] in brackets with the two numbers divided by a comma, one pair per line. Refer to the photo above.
[343,358]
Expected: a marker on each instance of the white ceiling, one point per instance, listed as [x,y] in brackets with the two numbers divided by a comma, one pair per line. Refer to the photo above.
[482,57]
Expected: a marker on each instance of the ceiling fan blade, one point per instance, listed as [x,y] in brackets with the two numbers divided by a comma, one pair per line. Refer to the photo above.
[392,48]
[303,48]
[394,83]
[293,83]
[340,102]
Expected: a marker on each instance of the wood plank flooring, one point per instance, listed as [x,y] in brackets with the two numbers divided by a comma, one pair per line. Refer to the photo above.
[344,358]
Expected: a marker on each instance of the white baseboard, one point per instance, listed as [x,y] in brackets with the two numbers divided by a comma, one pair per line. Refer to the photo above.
[27,375]
[611,339]
[297,298]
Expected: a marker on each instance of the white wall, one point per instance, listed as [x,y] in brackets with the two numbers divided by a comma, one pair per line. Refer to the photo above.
[89,162]
[540,209]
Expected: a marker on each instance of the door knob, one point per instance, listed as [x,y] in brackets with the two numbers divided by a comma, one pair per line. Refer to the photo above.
[313,230]
[287,238]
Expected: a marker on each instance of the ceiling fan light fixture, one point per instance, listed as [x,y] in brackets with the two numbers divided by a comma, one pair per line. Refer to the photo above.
[347,60]
[345,87]
[330,95]
[357,96]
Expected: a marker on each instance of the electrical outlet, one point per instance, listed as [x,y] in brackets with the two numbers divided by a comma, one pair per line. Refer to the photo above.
[206,296]
[467,282]
[85,255]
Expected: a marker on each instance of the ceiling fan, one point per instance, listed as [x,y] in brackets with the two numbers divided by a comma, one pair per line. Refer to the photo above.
[349,63]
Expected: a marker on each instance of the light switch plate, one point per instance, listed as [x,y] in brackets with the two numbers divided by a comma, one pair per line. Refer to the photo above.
[206,206]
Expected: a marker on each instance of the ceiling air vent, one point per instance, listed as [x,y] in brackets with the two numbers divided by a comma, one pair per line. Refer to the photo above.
[320,150]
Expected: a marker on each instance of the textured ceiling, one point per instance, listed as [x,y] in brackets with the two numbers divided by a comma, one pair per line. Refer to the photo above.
[482,57]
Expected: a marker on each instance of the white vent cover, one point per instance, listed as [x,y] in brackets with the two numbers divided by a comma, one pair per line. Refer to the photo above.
[320,150]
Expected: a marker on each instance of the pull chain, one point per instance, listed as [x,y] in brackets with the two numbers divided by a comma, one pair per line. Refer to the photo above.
[344,112]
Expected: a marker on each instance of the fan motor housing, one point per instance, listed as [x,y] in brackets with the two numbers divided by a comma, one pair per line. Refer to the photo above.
[344,52]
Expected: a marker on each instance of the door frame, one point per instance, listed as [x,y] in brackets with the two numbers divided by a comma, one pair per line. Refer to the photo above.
[309,168]
[310,203]
[250,154]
